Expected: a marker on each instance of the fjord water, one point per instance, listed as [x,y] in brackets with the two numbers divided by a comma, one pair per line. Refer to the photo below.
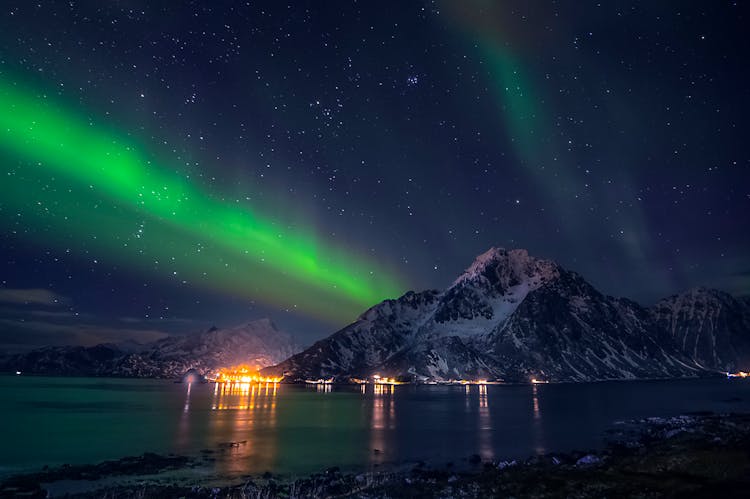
[298,430]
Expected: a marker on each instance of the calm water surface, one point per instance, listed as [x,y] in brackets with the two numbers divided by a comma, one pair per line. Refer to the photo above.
[297,429]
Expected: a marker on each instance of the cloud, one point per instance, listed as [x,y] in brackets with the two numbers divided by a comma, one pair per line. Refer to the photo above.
[31,296]
[165,320]
[46,333]
[59,315]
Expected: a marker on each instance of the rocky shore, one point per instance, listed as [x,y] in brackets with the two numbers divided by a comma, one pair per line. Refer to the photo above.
[695,455]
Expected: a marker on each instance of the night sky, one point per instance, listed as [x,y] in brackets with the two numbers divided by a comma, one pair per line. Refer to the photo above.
[168,166]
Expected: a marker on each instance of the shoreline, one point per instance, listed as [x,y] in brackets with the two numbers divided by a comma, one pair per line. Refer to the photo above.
[692,454]
[704,375]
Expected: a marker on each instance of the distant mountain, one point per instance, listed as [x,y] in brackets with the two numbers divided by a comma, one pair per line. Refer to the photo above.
[258,343]
[513,316]
[65,360]
[710,327]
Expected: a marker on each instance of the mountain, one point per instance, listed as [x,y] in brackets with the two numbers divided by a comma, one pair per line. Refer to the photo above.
[258,343]
[709,326]
[67,360]
[514,317]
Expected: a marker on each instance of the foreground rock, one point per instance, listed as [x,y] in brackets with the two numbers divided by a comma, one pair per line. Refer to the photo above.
[30,485]
[703,455]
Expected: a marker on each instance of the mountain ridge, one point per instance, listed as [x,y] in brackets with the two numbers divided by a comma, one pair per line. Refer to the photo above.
[510,315]
[258,343]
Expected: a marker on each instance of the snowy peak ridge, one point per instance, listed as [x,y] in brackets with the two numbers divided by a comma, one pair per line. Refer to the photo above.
[410,303]
[504,269]
[492,257]
[512,316]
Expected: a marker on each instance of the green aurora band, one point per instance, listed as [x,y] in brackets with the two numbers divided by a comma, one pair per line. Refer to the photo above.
[92,187]
[521,108]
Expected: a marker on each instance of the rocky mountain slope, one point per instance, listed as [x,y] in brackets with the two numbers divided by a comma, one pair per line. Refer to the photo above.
[513,316]
[709,326]
[258,343]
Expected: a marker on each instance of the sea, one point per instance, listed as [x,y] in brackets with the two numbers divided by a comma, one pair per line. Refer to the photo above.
[296,430]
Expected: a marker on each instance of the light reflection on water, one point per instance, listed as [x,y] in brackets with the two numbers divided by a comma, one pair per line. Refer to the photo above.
[250,408]
[240,410]
[537,425]
[485,424]
[251,428]
[238,395]
[383,419]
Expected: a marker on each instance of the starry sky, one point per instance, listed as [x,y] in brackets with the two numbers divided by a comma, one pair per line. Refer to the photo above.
[168,166]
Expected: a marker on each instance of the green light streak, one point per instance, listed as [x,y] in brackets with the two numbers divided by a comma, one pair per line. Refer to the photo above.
[101,184]
[527,126]
[516,98]
[543,157]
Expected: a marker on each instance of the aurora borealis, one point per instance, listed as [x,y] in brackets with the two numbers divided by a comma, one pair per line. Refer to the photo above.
[170,167]
[292,267]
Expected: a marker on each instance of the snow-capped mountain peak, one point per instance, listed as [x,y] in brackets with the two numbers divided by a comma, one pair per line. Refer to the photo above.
[514,316]
[507,268]
[491,289]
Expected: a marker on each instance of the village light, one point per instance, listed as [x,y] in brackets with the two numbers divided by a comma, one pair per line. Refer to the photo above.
[244,374]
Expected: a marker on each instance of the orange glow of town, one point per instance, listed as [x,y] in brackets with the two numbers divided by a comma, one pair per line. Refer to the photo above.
[244,374]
